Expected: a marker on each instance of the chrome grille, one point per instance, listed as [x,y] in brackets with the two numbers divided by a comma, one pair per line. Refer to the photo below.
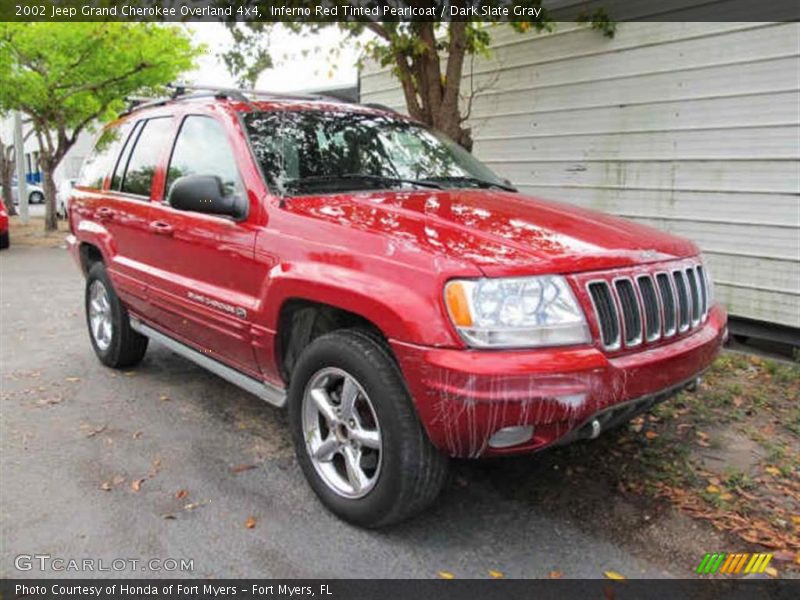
[667,296]
[647,307]
[606,310]
[631,315]
[683,301]
[701,276]
[652,309]
[694,292]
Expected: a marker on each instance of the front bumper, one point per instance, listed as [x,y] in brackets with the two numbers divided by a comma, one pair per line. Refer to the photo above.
[464,397]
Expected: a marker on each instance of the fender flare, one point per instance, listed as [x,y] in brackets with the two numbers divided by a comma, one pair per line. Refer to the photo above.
[399,312]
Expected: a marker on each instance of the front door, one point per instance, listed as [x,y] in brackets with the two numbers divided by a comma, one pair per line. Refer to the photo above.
[205,280]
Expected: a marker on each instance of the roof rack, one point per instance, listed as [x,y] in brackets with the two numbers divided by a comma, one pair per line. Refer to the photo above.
[243,93]
[184,91]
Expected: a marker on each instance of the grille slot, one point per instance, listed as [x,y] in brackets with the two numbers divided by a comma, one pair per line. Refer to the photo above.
[652,312]
[643,308]
[694,289]
[631,317]
[701,280]
[683,300]
[606,310]
[668,302]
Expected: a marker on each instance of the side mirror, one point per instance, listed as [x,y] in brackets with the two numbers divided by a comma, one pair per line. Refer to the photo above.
[205,194]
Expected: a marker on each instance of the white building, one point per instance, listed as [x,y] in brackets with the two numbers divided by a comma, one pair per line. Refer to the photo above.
[693,128]
[69,166]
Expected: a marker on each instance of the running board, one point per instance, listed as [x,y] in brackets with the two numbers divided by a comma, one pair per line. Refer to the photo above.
[266,391]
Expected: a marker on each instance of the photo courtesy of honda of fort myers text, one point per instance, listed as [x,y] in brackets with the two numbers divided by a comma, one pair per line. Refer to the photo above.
[349,299]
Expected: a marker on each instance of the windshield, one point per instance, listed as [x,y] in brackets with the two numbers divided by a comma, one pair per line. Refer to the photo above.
[335,151]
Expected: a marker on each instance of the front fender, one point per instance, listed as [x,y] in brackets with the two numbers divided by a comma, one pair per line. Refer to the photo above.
[403,310]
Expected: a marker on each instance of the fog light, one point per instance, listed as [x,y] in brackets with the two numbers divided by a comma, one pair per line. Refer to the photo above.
[511,436]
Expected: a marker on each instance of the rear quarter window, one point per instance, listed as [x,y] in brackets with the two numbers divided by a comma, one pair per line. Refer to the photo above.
[101,160]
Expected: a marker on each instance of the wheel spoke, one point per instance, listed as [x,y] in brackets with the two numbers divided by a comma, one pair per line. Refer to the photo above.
[349,394]
[327,449]
[355,475]
[96,324]
[366,437]
[323,403]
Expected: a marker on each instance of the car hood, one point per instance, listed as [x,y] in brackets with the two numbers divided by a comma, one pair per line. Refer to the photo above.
[501,233]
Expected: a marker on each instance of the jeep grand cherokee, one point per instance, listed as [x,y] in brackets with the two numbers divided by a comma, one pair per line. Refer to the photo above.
[404,302]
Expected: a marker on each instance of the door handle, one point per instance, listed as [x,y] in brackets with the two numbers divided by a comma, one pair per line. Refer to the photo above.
[104,214]
[161,228]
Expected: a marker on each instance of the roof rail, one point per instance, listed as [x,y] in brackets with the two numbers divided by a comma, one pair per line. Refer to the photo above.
[185,91]
[379,106]
[243,93]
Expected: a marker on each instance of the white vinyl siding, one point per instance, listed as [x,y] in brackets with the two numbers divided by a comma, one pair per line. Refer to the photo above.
[693,128]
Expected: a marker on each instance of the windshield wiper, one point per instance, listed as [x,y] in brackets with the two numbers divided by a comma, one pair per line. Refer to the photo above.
[294,184]
[476,181]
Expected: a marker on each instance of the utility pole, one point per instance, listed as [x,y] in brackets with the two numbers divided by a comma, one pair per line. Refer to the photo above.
[22,183]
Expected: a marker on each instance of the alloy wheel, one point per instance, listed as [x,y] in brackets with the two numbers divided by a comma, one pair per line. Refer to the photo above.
[342,433]
[100,319]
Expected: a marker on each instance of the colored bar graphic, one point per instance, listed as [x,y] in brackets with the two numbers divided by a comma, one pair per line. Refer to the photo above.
[731,564]
[727,564]
[740,564]
[718,562]
[735,563]
[753,562]
[703,563]
[762,567]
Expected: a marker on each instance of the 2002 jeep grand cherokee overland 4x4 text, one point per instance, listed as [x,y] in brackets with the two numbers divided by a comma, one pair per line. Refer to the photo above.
[404,302]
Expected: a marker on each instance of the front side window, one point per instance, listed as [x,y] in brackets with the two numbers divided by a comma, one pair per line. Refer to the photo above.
[202,148]
[143,160]
[101,160]
[333,151]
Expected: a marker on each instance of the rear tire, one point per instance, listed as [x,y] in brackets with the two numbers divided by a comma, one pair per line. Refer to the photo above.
[115,343]
[36,198]
[5,240]
[402,471]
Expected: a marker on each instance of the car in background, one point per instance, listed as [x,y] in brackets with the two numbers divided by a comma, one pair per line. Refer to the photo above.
[5,240]
[63,194]
[35,193]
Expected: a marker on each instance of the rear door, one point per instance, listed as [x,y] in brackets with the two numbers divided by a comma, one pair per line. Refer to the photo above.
[125,208]
[205,278]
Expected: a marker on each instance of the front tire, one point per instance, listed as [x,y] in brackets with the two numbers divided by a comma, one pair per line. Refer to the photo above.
[356,433]
[115,343]
[5,240]
[36,198]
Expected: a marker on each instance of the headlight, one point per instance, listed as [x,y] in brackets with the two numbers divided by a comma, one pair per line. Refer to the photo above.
[516,312]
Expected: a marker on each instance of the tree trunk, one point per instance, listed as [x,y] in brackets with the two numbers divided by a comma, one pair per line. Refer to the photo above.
[49,186]
[6,170]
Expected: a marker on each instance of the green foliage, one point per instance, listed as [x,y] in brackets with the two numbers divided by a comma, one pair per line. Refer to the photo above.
[600,21]
[65,76]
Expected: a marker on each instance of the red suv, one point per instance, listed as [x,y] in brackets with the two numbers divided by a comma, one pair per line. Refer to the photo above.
[404,302]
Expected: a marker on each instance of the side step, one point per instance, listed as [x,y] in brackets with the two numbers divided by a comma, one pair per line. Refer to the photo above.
[266,391]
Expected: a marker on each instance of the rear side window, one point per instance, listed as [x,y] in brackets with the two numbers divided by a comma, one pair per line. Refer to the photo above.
[202,148]
[125,154]
[101,160]
[143,160]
